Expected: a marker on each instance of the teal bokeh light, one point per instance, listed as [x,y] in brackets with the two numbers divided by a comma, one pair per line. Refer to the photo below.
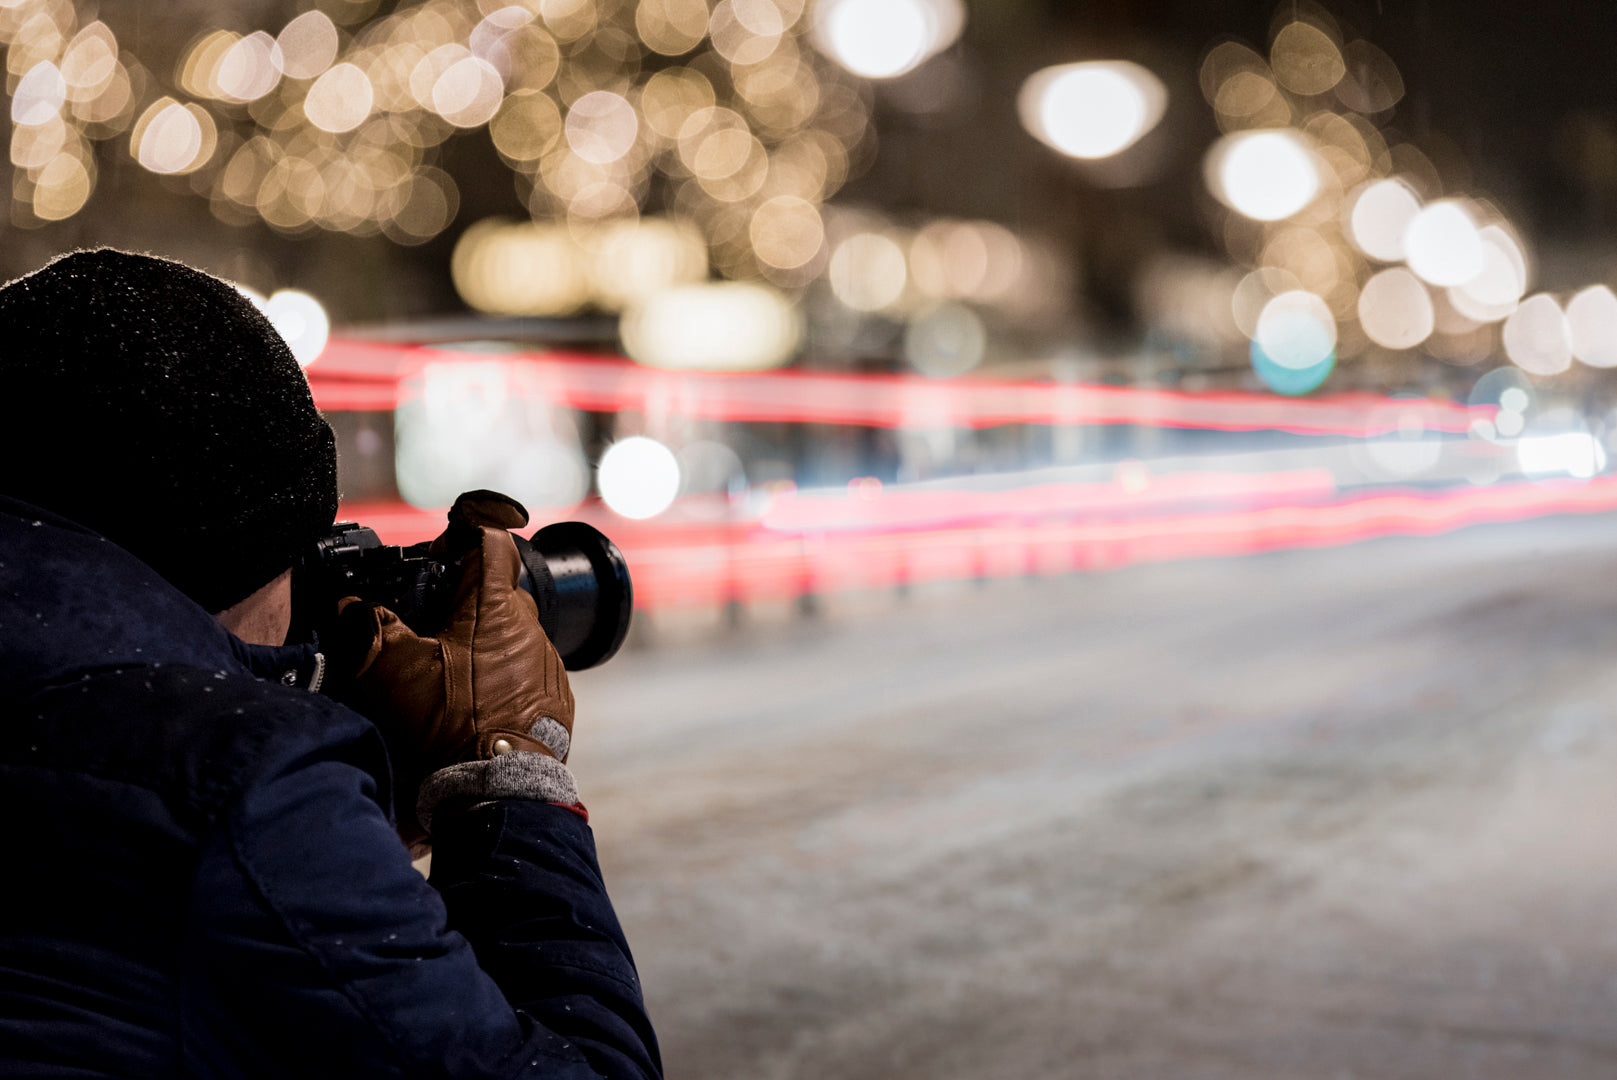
[1291,381]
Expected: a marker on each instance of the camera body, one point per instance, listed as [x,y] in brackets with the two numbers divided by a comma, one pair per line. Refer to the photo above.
[578,579]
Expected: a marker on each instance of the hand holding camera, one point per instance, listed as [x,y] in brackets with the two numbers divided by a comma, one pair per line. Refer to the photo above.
[487,682]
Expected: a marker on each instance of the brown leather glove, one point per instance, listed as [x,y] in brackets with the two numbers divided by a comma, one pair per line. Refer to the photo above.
[489,683]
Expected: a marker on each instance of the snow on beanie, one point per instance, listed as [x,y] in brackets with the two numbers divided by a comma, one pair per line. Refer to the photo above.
[155,404]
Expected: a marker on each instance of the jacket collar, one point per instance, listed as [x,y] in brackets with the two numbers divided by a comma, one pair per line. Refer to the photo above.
[290,665]
[73,601]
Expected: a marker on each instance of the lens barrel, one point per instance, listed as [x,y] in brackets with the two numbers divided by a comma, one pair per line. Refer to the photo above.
[580,581]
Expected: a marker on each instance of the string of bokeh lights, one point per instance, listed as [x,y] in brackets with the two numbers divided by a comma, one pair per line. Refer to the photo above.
[600,108]
[653,143]
[1354,240]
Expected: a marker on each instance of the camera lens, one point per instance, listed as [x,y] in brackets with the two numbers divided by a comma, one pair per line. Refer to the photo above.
[580,582]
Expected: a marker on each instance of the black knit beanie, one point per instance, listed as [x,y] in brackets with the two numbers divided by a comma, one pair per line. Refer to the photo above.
[156,405]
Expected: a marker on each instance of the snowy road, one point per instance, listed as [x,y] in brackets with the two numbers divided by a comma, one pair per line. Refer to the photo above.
[1343,813]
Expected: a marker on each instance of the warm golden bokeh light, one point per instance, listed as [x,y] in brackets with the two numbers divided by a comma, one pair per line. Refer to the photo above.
[671,27]
[1395,309]
[90,62]
[1306,60]
[868,271]
[602,127]
[247,69]
[62,188]
[468,93]
[722,326]
[339,119]
[526,127]
[786,232]
[340,100]
[173,138]
[306,46]
[1370,82]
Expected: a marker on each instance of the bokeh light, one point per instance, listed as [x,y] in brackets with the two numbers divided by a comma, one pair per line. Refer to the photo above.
[638,477]
[247,69]
[468,93]
[339,118]
[306,46]
[945,339]
[302,322]
[39,96]
[1558,443]
[868,271]
[1265,175]
[720,326]
[520,268]
[1306,59]
[1536,337]
[1496,290]
[601,127]
[1443,245]
[1296,330]
[1294,347]
[1508,391]
[340,100]
[1371,82]
[173,138]
[1094,109]
[61,188]
[671,27]
[90,62]
[631,260]
[1591,318]
[1380,216]
[980,261]
[786,232]
[1395,309]
[881,39]
[466,425]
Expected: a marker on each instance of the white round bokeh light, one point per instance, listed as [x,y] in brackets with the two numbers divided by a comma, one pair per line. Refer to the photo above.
[1091,110]
[1265,175]
[638,477]
[882,39]
[1296,330]
[301,320]
[1443,244]
[1381,214]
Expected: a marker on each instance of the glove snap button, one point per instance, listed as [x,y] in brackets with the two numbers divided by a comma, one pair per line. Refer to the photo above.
[503,746]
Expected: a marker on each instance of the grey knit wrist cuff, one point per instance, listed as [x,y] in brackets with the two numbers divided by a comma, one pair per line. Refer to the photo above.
[553,735]
[521,775]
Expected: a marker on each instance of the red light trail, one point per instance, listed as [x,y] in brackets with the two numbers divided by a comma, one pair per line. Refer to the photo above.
[680,561]
[358,375]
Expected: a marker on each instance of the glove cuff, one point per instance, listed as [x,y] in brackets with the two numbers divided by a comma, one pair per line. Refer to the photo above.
[535,776]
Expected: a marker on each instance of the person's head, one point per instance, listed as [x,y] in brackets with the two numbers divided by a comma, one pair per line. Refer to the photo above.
[156,404]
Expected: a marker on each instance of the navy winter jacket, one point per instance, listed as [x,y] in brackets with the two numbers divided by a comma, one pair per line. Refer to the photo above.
[201,879]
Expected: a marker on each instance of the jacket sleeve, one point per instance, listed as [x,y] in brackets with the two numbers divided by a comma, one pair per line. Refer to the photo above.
[315,947]
[520,880]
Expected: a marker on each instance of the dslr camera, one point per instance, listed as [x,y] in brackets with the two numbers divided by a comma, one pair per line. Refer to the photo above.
[577,577]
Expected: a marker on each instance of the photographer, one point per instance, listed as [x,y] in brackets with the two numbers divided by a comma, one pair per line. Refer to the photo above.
[204,872]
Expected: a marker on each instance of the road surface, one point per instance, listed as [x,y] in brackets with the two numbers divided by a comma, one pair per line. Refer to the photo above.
[1324,814]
